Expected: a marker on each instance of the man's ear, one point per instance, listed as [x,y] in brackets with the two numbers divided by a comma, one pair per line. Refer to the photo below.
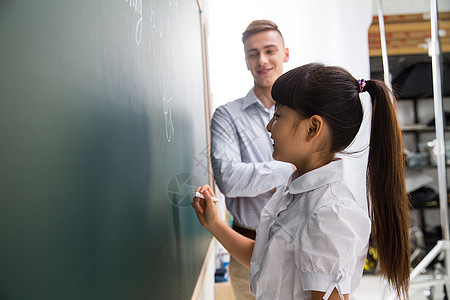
[286,54]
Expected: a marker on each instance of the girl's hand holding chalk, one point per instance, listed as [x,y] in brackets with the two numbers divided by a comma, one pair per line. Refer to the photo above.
[206,209]
[197,194]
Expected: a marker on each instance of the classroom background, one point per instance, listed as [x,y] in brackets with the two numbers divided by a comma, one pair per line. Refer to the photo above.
[104,119]
[347,33]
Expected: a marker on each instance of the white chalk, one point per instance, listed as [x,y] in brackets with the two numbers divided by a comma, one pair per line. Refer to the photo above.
[198,195]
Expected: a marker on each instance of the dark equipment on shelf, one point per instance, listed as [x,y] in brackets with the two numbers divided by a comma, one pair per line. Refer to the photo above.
[424,197]
[416,82]
[420,199]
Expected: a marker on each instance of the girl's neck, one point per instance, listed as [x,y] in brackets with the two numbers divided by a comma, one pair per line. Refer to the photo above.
[314,164]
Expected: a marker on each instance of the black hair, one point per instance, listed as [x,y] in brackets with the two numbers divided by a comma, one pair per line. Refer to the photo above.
[330,92]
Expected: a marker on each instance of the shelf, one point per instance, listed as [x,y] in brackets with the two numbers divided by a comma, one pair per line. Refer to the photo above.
[415,180]
[420,128]
[426,167]
[406,33]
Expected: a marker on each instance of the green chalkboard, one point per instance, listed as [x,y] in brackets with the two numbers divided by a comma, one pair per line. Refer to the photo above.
[102,127]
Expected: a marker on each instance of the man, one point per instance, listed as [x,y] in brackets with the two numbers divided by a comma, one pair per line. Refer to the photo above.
[241,147]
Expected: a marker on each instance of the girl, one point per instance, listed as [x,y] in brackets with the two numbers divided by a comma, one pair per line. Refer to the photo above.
[313,237]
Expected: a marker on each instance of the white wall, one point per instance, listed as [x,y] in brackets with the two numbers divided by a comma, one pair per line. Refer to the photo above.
[334,32]
[329,31]
[230,78]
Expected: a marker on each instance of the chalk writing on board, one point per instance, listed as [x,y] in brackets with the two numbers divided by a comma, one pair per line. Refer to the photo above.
[153,18]
[137,5]
[173,3]
[181,189]
[156,26]
[170,130]
[160,29]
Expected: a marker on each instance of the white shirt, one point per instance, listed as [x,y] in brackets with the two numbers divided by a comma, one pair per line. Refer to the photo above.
[241,156]
[312,236]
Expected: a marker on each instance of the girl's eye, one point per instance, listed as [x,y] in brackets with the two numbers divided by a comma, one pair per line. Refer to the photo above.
[276,116]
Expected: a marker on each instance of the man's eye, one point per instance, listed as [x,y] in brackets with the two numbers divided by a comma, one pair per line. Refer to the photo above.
[276,116]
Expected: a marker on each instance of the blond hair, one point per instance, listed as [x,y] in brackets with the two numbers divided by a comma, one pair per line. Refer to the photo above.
[259,26]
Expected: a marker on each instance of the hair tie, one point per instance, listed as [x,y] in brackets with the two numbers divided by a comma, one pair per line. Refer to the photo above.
[362,85]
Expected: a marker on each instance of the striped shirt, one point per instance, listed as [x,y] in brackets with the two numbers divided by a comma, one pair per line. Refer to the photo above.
[241,155]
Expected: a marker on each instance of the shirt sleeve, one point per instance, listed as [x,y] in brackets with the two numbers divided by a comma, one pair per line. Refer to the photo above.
[331,243]
[234,177]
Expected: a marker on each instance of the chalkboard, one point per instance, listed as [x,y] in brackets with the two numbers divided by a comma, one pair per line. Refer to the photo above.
[103,133]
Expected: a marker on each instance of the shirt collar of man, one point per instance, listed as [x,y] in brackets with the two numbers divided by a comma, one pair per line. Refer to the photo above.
[316,178]
[250,99]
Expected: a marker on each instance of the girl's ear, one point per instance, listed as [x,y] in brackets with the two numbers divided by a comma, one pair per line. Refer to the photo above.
[316,124]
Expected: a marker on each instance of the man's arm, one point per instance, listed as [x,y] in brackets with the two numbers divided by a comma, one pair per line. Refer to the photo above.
[234,177]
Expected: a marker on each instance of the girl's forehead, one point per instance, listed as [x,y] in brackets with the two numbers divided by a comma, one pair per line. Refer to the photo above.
[281,107]
[278,105]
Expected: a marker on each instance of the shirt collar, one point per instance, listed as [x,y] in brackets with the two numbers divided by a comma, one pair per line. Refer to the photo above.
[250,99]
[330,173]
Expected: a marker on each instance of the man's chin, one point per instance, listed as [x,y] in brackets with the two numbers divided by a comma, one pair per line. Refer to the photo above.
[265,83]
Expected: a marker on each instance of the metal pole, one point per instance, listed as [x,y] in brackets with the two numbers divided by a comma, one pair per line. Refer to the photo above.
[384,56]
[435,53]
[427,259]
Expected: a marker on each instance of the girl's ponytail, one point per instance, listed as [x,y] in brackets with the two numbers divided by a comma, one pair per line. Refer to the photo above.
[387,189]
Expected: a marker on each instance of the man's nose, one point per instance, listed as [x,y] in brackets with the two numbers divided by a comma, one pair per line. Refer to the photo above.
[262,59]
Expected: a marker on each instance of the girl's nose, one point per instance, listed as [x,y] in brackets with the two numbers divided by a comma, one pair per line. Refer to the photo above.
[269,125]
